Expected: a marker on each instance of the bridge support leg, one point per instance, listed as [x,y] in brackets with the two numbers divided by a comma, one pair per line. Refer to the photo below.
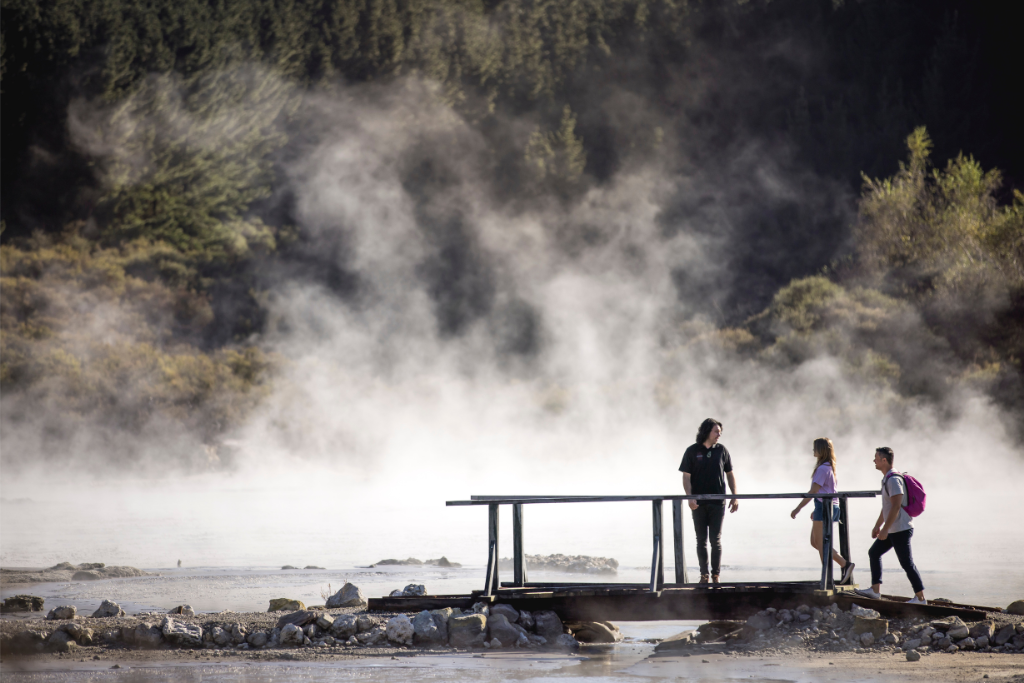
[826,545]
[519,559]
[491,586]
[677,537]
[658,561]
[844,530]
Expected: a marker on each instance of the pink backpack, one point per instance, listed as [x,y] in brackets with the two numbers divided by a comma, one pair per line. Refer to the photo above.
[915,498]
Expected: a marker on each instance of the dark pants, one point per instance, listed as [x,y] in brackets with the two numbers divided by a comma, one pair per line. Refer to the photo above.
[707,522]
[901,542]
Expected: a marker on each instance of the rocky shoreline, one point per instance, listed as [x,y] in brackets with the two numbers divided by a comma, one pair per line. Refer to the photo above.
[570,564]
[65,571]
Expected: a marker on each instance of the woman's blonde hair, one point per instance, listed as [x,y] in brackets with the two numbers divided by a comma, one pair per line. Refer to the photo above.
[824,452]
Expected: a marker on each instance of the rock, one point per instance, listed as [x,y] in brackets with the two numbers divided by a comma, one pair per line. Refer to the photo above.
[958,632]
[310,631]
[22,603]
[108,608]
[220,636]
[536,641]
[1017,641]
[912,644]
[981,643]
[82,635]
[967,644]
[425,630]
[499,627]
[985,628]
[59,636]
[508,611]
[946,623]
[183,610]
[285,605]
[291,636]
[412,561]
[348,596]
[566,642]
[679,641]
[364,623]
[312,566]
[878,628]
[414,590]
[300,618]
[595,632]
[481,608]
[926,639]
[575,564]
[1015,607]
[526,620]
[23,642]
[257,639]
[444,562]
[181,634]
[344,626]
[858,611]
[375,636]
[148,635]
[288,566]
[1004,635]
[86,576]
[62,612]
[716,630]
[60,641]
[942,643]
[441,617]
[760,621]
[468,631]
[548,624]
[238,634]
[399,630]
[913,655]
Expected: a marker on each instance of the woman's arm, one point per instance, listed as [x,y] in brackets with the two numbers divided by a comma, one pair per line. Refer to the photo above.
[804,501]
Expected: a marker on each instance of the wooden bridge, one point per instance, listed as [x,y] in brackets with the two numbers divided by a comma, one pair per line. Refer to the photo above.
[658,600]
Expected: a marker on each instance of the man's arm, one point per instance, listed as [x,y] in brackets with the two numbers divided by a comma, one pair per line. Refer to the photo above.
[890,519]
[734,504]
[686,487]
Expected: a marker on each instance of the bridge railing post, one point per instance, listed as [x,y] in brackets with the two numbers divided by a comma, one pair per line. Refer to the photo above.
[491,587]
[658,561]
[844,531]
[826,544]
[677,538]
[519,558]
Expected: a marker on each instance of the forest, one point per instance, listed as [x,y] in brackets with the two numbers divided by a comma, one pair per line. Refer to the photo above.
[150,215]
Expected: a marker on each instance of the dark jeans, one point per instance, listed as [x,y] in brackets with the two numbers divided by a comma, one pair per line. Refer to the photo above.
[901,542]
[707,522]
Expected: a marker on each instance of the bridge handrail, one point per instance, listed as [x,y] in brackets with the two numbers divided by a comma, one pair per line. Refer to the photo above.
[526,500]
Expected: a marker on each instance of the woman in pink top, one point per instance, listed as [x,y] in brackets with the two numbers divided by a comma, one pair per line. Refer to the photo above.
[824,481]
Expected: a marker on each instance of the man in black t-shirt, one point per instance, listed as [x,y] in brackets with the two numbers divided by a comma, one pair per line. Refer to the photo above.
[706,466]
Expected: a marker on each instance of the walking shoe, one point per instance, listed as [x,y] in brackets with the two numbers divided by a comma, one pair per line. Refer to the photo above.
[704,578]
[917,601]
[847,574]
[868,593]
[714,578]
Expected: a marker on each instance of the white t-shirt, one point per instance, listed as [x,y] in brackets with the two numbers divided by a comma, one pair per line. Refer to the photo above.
[891,487]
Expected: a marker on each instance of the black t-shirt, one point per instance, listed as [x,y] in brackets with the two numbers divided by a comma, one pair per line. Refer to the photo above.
[707,468]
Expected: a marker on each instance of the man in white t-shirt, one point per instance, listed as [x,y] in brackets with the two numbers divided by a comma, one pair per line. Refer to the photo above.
[893,529]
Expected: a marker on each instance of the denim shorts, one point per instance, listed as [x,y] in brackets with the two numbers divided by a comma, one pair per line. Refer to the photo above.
[816,515]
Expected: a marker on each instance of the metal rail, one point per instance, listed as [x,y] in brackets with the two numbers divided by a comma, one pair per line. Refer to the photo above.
[658,556]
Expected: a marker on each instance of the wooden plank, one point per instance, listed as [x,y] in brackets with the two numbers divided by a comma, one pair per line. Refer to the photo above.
[491,500]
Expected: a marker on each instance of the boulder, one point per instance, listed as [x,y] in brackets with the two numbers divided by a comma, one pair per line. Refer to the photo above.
[508,611]
[375,636]
[866,638]
[499,627]
[257,639]
[878,628]
[147,635]
[526,620]
[595,632]
[364,623]
[967,643]
[548,624]
[942,643]
[108,608]
[913,655]
[1004,635]
[958,632]
[425,630]
[716,630]
[858,611]
[536,641]
[679,641]
[566,642]
[344,626]
[481,608]
[946,623]
[414,590]
[348,596]
[285,605]
[324,622]
[183,610]
[181,634]
[912,644]
[22,603]
[468,631]
[62,612]
[60,641]
[400,630]
[238,634]
[82,635]
[1016,607]
[220,636]
[985,628]
[300,618]
[86,576]
[291,636]
[441,617]
[981,642]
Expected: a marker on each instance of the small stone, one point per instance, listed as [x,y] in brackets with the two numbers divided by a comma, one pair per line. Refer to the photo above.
[913,655]
[344,626]
[1015,607]
[183,610]
[285,605]
[1004,635]
[866,639]
[257,639]
[566,642]
[181,634]
[291,636]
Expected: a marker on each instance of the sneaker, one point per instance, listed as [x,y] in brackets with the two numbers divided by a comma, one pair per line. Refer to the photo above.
[704,578]
[847,574]
[868,593]
[714,578]
[917,601]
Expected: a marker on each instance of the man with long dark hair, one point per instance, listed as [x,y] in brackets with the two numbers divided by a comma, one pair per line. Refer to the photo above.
[706,466]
